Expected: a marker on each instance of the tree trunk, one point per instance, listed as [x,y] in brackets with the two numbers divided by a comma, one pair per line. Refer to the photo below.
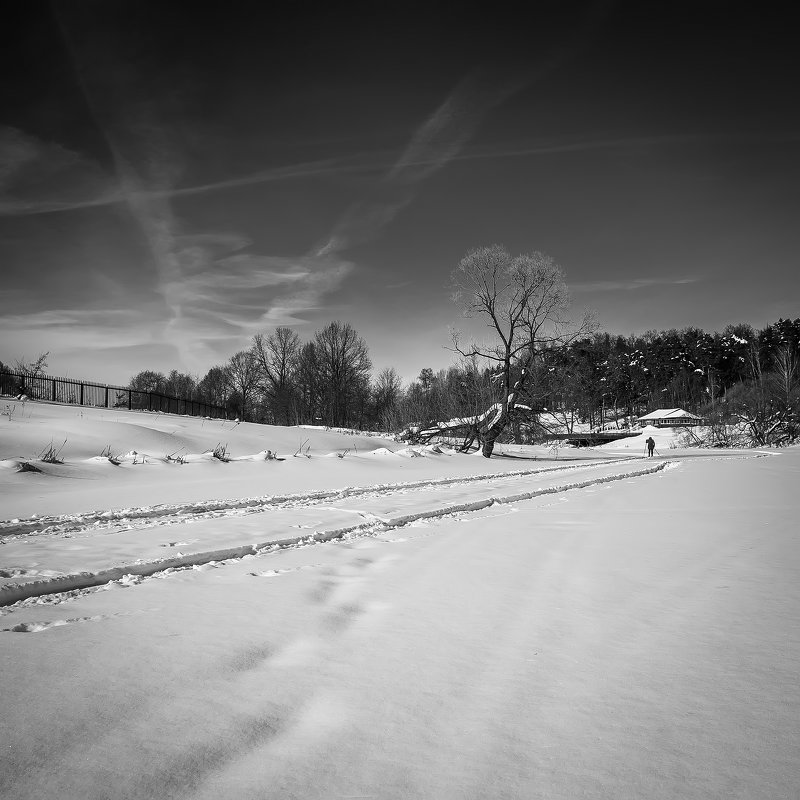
[507,413]
[491,434]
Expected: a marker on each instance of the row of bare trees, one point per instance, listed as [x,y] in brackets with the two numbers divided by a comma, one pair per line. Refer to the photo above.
[325,380]
[282,380]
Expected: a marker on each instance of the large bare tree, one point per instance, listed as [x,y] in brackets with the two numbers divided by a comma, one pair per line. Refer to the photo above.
[241,374]
[308,385]
[524,301]
[344,365]
[386,396]
[213,388]
[276,356]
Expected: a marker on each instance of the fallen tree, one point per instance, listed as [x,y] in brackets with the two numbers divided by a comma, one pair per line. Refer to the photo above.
[470,429]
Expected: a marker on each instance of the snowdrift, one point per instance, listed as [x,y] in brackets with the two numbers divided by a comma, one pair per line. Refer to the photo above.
[364,619]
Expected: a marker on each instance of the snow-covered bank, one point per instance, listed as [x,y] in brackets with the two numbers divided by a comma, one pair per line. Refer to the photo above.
[622,638]
[150,449]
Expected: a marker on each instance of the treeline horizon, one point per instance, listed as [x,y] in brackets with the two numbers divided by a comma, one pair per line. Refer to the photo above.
[741,374]
[328,380]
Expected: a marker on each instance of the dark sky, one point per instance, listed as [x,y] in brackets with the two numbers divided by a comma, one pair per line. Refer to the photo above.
[174,179]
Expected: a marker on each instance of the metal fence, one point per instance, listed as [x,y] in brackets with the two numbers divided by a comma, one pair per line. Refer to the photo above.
[100,395]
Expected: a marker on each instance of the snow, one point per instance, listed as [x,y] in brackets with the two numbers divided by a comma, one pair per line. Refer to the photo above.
[665,413]
[596,624]
[496,410]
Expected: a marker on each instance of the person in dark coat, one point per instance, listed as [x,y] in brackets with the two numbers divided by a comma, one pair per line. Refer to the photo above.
[651,445]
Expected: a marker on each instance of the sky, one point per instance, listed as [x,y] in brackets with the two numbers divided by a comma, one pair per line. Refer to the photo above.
[175,179]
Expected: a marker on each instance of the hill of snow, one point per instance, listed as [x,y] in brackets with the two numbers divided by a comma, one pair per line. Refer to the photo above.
[367,619]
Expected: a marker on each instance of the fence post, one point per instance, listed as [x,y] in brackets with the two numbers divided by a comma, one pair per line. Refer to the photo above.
[53,395]
[106,396]
[149,401]
[129,400]
[81,394]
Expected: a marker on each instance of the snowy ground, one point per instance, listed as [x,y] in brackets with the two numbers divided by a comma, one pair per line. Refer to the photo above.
[393,623]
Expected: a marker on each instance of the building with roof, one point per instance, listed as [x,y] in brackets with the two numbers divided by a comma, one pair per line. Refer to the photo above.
[670,417]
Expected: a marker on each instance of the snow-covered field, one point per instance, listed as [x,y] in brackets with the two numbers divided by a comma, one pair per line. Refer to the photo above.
[364,619]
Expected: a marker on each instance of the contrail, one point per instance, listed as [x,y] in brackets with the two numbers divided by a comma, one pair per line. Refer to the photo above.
[434,144]
[444,134]
[152,212]
[382,161]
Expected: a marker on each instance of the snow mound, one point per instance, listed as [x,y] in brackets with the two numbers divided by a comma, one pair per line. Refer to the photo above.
[195,458]
[411,452]
[18,465]
[263,455]
[440,449]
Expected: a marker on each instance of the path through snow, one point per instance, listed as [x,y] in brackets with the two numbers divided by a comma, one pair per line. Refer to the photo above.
[61,554]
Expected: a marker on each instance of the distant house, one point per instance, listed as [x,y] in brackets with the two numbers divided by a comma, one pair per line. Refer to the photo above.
[670,417]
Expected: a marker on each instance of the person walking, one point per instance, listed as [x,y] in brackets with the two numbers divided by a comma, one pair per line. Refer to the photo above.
[651,445]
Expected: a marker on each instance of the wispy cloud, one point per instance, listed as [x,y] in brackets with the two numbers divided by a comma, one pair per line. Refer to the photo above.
[44,178]
[437,141]
[443,136]
[243,288]
[629,285]
[305,169]
[545,148]
[38,176]
[216,295]
[77,329]
[75,181]
[213,288]
[306,297]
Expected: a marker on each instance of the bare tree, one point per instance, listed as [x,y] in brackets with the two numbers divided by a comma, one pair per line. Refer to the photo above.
[524,301]
[148,381]
[785,385]
[213,388]
[32,369]
[307,398]
[276,356]
[241,373]
[786,374]
[344,366]
[386,395]
[181,385]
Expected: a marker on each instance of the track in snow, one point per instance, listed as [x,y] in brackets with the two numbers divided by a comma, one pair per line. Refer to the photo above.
[150,516]
[370,525]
